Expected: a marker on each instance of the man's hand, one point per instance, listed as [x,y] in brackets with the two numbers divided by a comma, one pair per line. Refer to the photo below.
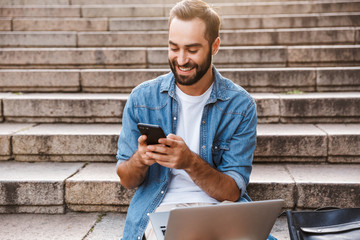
[172,152]
[143,157]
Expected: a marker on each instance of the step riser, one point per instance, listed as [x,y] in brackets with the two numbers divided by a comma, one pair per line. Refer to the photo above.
[58,24]
[38,189]
[275,143]
[73,57]
[239,22]
[280,56]
[155,39]
[271,108]
[159,10]
[285,21]
[161,24]
[34,2]
[123,81]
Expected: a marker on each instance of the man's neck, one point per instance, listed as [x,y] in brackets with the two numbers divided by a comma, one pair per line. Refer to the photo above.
[201,86]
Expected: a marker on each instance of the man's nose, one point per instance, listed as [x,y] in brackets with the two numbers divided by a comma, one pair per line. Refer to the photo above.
[182,58]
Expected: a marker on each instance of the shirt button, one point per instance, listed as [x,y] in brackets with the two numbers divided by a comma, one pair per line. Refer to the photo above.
[203,122]
[174,118]
[148,214]
[139,238]
[162,192]
[203,147]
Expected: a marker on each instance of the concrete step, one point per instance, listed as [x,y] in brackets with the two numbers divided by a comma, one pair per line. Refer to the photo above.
[34,2]
[272,21]
[273,56]
[60,24]
[246,21]
[162,10]
[309,20]
[95,187]
[293,143]
[141,57]
[299,36]
[34,187]
[274,80]
[338,107]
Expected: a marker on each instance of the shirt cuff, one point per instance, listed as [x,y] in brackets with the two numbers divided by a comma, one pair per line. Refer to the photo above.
[239,181]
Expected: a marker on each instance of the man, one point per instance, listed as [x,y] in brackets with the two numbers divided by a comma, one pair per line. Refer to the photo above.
[207,155]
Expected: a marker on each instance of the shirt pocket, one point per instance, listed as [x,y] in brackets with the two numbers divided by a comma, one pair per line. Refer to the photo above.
[218,149]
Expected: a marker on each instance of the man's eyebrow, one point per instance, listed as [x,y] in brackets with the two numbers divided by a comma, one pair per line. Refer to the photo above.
[188,45]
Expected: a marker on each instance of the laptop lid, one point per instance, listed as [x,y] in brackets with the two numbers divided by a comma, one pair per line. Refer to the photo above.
[159,222]
[250,221]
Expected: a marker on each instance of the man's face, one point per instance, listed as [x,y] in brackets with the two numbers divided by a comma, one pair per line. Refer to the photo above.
[189,52]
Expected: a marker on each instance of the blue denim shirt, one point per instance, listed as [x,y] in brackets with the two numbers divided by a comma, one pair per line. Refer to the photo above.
[227,138]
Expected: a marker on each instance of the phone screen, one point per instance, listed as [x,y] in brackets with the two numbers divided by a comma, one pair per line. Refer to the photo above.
[153,132]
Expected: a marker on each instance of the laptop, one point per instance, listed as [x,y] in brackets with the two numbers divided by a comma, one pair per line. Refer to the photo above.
[229,221]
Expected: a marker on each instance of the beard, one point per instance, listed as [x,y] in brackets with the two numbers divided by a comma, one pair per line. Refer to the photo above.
[200,70]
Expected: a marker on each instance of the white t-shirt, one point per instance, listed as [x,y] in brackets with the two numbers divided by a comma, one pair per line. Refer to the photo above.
[182,189]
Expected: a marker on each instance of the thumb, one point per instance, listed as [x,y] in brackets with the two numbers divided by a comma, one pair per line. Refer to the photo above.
[174,137]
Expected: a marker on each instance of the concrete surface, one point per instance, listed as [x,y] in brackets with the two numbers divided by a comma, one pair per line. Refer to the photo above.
[81,226]
[344,142]
[319,107]
[327,185]
[97,186]
[67,142]
[97,142]
[274,80]
[34,187]
[39,80]
[6,131]
[70,226]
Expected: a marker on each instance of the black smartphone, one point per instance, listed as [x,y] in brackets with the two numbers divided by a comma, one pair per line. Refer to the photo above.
[153,132]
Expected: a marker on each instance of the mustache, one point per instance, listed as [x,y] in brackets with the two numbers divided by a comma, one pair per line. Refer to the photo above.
[187,65]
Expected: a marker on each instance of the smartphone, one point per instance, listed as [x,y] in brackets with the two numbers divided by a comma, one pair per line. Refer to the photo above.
[153,132]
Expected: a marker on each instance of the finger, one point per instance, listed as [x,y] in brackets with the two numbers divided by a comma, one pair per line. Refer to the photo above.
[158,157]
[167,142]
[174,137]
[142,140]
[159,148]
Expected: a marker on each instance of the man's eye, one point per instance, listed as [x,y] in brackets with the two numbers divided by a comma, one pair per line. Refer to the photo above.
[193,51]
[174,49]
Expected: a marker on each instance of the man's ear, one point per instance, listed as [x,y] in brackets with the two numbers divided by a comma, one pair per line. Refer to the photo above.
[215,46]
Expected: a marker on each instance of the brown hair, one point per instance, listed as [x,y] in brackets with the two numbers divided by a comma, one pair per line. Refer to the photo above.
[190,9]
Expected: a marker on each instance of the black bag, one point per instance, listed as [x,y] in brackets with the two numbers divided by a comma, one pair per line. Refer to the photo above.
[338,224]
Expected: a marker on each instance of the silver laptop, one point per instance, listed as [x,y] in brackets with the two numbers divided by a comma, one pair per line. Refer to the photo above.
[230,221]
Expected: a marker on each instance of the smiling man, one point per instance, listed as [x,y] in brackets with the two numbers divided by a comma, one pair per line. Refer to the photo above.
[210,123]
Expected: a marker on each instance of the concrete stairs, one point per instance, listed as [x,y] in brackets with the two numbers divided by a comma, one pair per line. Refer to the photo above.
[67,68]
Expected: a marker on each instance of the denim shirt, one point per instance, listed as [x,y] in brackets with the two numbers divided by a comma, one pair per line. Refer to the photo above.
[227,139]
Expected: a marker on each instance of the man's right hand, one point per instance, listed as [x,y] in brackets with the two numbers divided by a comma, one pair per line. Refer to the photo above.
[141,152]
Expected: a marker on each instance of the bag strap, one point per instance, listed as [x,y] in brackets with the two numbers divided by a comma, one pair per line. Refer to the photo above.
[326,209]
[332,228]
[292,230]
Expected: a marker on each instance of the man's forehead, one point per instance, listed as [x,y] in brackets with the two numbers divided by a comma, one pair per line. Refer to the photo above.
[191,32]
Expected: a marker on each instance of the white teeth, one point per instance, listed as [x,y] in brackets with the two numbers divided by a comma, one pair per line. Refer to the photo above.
[184,69]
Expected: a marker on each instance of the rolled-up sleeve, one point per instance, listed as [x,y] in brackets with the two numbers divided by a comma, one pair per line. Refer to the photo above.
[128,139]
[237,160]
